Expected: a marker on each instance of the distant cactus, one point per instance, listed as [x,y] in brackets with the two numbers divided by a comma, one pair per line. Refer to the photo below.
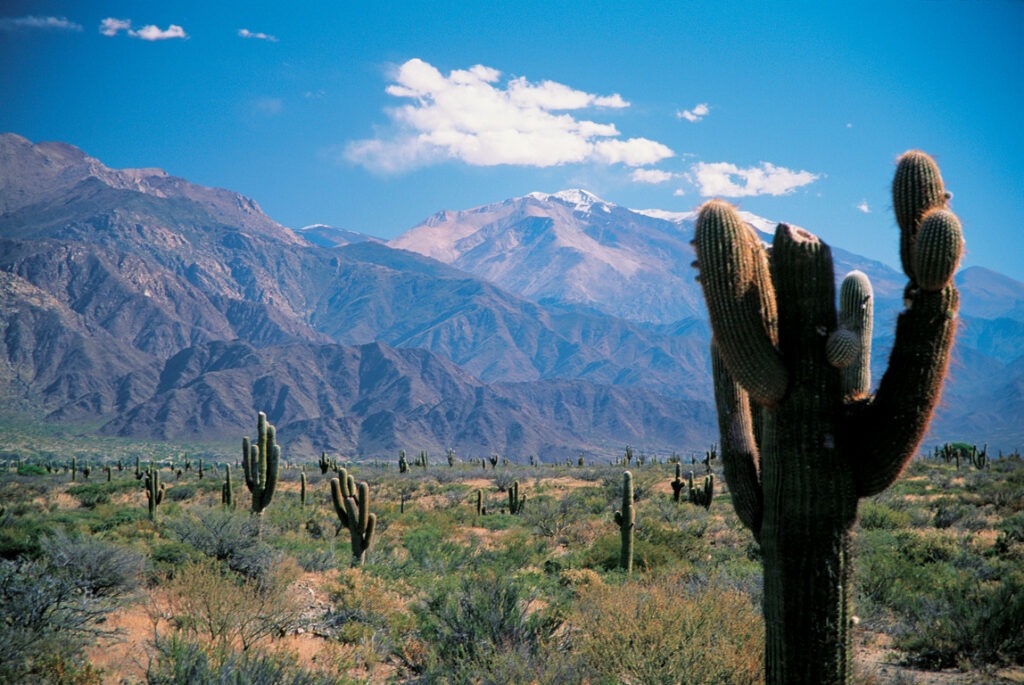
[979,460]
[403,463]
[227,496]
[324,463]
[515,500]
[480,508]
[154,489]
[625,519]
[260,464]
[74,469]
[109,471]
[802,440]
[702,494]
[200,472]
[494,461]
[352,505]
[451,457]
[678,484]
[423,460]
[302,490]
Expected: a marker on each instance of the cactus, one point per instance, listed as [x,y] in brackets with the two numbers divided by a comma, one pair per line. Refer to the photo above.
[451,457]
[74,469]
[494,461]
[109,471]
[302,490]
[801,440]
[403,463]
[352,505]
[678,484]
[227,497]
[424,460]
[702,494]
[138,472]
[260,463]
[515,500]
[979,460]
[480,508]
[625,519]
[154,489]
[200,471]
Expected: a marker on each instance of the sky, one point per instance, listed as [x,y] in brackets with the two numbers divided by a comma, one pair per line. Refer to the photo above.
[371,116]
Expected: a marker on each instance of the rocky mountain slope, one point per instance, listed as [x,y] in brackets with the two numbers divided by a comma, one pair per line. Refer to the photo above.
[156,307]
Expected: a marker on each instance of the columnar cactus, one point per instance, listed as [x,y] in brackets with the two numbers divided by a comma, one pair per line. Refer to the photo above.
[302,490]
[260,463]
[625,519]
[515,501]
[480,508]
[403,463]
[324,463]
[74,469]
[451,457]
[702,494]
[801,439]
[227,497]
[678,484]
[154,489]
[352,505]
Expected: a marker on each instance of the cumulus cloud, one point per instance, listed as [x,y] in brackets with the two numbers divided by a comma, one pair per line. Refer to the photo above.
[246,33]
[722,179]
[696,114]
[111,27]
[652,176]
[863,206]
[39,23]
[471,117]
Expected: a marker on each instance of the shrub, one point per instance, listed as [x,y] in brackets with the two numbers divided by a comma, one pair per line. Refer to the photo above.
[659,631]
[47,623]
[873,515]
[97,567]
[228,536]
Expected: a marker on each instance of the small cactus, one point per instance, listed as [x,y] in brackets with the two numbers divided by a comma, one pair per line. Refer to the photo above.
[702,494]
[302,490]
[227,497]
[324,463]
[677,483]
[480,508]
[403,463]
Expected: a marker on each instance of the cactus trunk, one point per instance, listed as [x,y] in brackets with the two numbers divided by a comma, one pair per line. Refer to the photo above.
[625,518]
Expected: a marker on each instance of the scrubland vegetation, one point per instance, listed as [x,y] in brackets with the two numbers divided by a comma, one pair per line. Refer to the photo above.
[92,590]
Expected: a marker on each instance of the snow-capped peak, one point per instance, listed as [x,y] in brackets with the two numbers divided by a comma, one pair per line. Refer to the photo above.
[580,200]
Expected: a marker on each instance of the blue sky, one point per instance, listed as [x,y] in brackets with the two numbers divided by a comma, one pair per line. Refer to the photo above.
[372,116]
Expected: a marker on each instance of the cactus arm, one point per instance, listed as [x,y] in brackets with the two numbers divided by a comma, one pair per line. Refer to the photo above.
[270,484]
[740,298]
[740,455]
[856,315]
[338,500]
[884,433]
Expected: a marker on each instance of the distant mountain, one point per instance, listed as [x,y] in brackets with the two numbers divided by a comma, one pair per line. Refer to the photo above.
[329,236]
[543,324]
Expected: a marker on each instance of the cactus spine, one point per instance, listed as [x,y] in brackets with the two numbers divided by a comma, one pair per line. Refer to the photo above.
[352,505]
[260,463]
[625,519]
[515,501]
[154,490]
[802,441]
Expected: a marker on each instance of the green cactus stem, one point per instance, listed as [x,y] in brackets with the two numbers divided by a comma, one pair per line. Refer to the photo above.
[625,519]
[154,490]
[515,500]
[227,497]
[802,440]
[109,471]
[702,494]
[302,490]
[480,508]
[403,463]
[74,469]
[451,457]
[678,484]
[260,463]
[352,505]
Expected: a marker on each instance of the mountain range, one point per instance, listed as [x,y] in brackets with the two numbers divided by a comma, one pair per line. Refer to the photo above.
[549,324]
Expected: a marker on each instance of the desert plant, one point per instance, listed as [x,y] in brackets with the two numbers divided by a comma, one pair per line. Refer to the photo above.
[702,494]
[515,500]
[625,519]
[801,440]
[260,464]
[227,496]
[352,505]
[677,483]
[155,490]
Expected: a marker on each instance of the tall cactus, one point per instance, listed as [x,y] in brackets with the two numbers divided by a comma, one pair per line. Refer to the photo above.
[227,496]
[154,490]
[801,439]
[352,505]
[625,519]
[702,494]
[260,463]
[515,500]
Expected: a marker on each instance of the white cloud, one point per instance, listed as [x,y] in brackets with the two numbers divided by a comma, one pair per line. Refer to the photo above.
[246,33]
[111,27]
[652,176]
[42,23]
[696,114]
[863,206]
[722,179]
[268,106]
[469,116]
[678,192]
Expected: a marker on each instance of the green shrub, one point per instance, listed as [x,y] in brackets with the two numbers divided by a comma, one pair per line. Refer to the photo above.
[876,516]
